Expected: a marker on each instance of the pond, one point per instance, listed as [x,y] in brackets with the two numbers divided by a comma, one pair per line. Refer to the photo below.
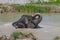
[10,17]
[48,19]
[51,19]
[50,24]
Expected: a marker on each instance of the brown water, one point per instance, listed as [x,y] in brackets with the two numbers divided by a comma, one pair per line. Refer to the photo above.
[48,19]
[50,24]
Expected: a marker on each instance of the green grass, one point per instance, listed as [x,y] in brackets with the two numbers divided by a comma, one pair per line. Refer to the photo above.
[57,38]
[17,35]
[30,8]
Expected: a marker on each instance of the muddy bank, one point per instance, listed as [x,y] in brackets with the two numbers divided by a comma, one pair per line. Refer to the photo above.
[45,33]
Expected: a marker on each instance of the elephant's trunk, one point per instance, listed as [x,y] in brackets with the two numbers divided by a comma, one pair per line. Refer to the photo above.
[36,19]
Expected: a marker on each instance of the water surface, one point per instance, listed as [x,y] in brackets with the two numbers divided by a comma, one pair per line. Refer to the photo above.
[50,24]
[48,19]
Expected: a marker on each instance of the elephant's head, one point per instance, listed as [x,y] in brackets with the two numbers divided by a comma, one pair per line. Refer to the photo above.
[18,25]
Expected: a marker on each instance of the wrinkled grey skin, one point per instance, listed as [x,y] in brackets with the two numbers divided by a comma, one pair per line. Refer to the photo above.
[28,21]
[20,23]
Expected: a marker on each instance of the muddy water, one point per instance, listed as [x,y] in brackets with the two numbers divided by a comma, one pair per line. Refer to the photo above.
[48,19]
[51,19]
[50,24]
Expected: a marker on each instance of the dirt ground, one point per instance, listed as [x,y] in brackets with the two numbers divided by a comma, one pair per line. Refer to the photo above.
[45,33]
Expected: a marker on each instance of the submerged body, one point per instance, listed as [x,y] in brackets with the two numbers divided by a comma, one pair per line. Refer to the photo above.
[28,21]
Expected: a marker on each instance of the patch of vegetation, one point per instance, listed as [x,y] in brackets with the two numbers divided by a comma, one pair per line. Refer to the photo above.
[0,38]
[21,35]
[15,34]
[34,7]
[30,8]
[57,38]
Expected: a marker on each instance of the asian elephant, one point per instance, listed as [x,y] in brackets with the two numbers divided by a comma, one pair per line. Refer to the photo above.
[27,21]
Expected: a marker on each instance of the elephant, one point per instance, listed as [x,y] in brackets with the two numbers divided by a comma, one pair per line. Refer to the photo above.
[27,21]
